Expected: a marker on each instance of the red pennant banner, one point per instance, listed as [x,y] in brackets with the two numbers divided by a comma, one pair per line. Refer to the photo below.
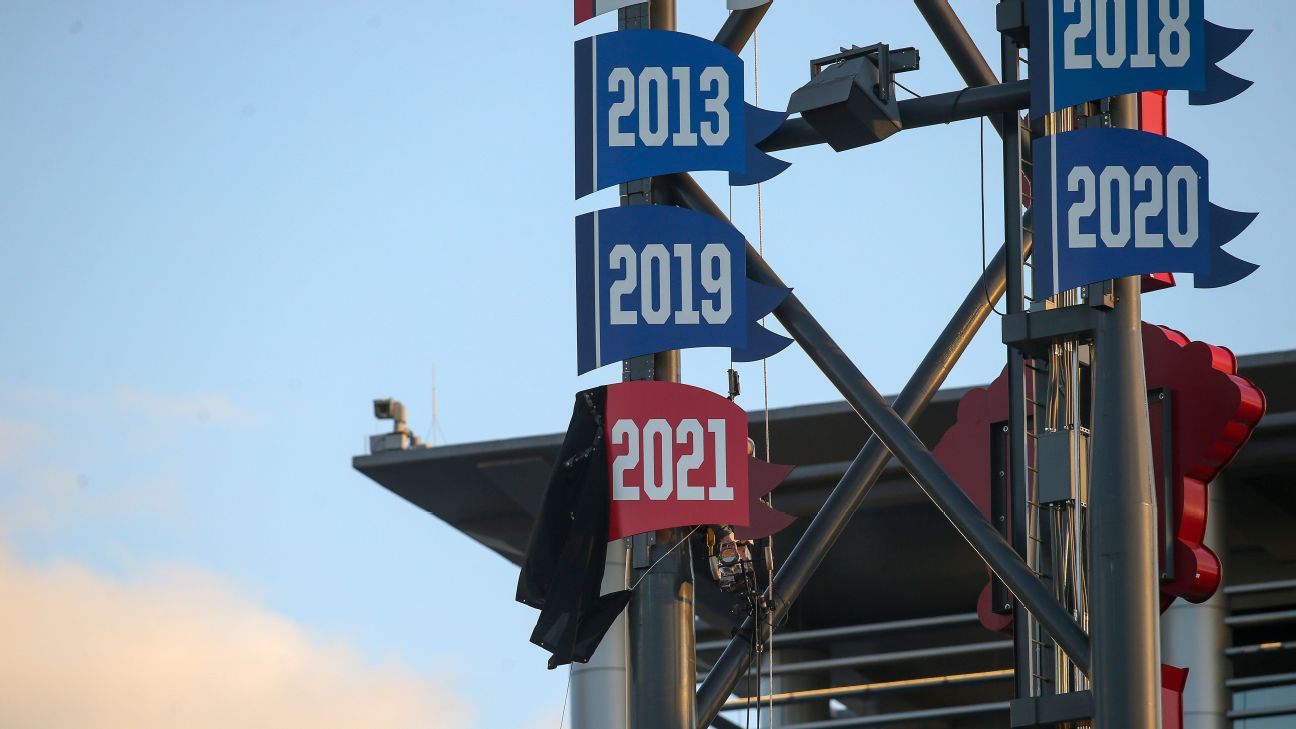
[677,455]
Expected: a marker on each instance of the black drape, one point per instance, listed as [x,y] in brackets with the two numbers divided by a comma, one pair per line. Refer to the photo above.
[563,570]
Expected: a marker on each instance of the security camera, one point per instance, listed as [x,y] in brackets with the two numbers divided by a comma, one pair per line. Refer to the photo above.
[389,409]
[400,437]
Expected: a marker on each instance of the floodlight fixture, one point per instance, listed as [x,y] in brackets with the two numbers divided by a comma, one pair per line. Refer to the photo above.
[850,98]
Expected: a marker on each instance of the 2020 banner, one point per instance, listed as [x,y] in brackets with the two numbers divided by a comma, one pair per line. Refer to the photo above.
[1099,48]
[1119,202]
[654,102]
[651,278]
[677,456]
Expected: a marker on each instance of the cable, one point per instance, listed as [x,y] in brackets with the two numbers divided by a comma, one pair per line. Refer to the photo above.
[906,88]
[769,541]
[562,718]
[674,547]
[984,290]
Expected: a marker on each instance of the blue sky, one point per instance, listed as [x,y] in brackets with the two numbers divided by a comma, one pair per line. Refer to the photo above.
[226,227]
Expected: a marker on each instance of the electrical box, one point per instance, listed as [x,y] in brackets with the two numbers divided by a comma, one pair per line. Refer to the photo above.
[388,442]
[1062,460]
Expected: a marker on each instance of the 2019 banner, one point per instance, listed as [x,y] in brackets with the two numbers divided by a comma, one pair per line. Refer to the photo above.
[1099,48]
[653,102]
[651,278]
[1119,202]
[677,456]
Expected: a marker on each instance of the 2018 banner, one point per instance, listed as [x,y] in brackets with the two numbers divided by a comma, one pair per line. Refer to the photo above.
[653,102]
[677,456]
[1119,202]
[1099,48]
[651,278]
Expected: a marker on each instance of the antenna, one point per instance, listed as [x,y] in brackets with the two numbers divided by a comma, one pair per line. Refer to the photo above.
[435,430]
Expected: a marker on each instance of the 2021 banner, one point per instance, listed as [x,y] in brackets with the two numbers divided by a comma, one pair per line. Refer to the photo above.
[1120,202]
[677,456]
[651,278]
[1099,48]
[654,102]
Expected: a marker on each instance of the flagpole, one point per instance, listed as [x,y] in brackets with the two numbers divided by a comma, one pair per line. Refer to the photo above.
[662,666]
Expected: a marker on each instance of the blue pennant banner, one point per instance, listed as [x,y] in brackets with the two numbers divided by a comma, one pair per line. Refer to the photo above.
[1100,48]
[654,102]
[1118,202]
[651,278]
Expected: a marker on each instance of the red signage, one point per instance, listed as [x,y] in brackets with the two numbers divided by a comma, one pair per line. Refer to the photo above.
[1212,416]
[677,455]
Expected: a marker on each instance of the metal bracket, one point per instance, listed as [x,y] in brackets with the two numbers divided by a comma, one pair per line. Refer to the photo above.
[1033,332]
[1000,599]
[1162,397]
[1052,711]
[1012,18]
[888,63]
[641,550]
[638,369]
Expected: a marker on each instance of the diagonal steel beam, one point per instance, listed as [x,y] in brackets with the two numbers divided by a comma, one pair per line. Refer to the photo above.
[740,25]
[864,471]
[960,48]
[891,430]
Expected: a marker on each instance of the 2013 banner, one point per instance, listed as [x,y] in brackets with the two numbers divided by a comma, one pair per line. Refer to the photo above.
[651,278]
[677,456]
[1099,48]
[1120,202]
[653,102]
[586,9]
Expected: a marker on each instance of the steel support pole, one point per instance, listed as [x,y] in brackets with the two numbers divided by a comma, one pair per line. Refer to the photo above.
[661,632]
[1124,599]
[1018,474]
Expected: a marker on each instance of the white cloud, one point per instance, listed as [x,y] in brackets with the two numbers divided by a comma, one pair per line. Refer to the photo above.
[202,407]
[18,438]
[46,498]
[183,649]
[131,405]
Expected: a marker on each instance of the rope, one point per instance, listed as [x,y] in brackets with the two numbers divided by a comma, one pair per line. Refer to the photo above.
[984,290]
[562,718]
[664,556]
[769,543]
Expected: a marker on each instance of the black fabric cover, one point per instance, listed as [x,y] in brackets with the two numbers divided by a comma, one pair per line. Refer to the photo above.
[563,571]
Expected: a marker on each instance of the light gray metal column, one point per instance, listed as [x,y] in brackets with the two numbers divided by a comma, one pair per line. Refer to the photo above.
[1124,596]
[1195,636]
[598,688]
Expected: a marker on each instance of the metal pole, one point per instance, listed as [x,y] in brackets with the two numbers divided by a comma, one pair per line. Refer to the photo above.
[740,25]
[598,688]
[1018,474]
[1123,561]
[927,111]
[661,633]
